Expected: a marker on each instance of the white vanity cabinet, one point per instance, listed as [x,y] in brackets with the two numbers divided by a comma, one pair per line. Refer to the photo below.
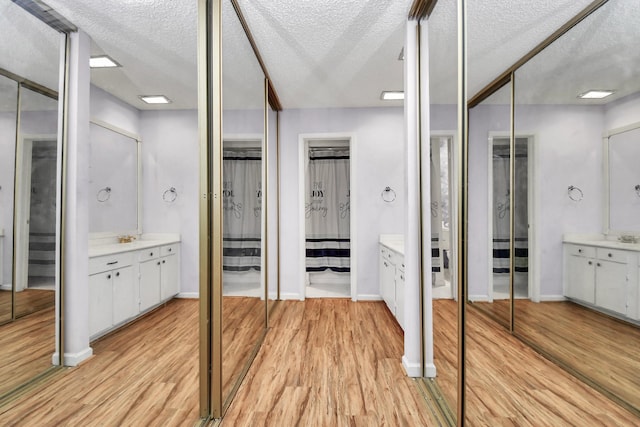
[112,292]
[392,281]
[130,281]
[603,277]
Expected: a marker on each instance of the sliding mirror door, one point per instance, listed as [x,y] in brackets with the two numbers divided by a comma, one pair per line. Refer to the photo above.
[29,193]
[243,148]
[583,310]
[489,205]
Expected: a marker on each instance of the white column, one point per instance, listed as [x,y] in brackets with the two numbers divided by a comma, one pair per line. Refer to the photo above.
[411,358]
[76,261]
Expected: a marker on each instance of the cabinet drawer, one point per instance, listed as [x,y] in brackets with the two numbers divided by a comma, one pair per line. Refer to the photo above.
[110,262]
[579,250]
[147,254]
[169,249]
[614,255]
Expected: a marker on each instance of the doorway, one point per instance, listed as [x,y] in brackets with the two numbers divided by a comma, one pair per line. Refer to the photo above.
[499,226]
[36,236]
[326,225]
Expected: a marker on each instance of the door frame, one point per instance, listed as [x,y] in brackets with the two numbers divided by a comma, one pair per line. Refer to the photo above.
[23,205]
[303,149]
[453,207]
[532,204]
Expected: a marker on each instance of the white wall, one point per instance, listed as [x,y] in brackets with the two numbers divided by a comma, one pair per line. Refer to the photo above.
[568,150]
[622,112]
[110,109]
[7,161]
[170,158]
[379,135]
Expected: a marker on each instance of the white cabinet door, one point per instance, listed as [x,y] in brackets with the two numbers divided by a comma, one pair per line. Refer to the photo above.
[387,283]
[169,284]
[149,283]
[100,302]
[580,278]
[400,297]
[611,286]
[125,295]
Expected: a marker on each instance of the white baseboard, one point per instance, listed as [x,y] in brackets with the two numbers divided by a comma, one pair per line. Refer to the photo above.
[430,370]
[290,296]
[412,369]
[369,297]
[6,287]
[479,298]
[552,298]
[188,295]
[73,359]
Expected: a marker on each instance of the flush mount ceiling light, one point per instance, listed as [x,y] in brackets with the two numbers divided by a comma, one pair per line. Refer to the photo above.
[102,61]
[392,95]
[155,99]
[595,94]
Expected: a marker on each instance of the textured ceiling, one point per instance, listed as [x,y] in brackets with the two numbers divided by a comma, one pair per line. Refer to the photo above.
[331,53]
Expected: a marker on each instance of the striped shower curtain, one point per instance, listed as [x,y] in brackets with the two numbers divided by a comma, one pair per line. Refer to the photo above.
[242,204]
[501,209]
[327,211]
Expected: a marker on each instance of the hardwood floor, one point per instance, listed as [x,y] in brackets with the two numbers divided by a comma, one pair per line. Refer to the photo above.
[143,375]
[27,302]
[329,362]
[508,383]
[26,347]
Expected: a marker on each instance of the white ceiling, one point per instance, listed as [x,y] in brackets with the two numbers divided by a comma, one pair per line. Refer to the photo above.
[324,53]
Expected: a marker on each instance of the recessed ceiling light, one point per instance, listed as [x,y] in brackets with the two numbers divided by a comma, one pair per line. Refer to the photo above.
[102,62]
[155,99]
[595,94]
[392,95]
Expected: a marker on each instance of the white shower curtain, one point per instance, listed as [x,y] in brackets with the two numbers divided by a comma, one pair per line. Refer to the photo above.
[328,211]
[501,209]
[242,203]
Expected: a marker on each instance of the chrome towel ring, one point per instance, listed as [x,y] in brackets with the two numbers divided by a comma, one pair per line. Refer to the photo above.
[575,193]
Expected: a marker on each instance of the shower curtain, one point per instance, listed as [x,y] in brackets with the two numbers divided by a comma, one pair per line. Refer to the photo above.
[501,209]
[242,204]
[327,211]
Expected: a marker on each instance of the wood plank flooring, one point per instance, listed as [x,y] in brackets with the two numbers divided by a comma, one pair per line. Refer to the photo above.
[143,375]
[509,384]
[27,302]
[26,347]
[329,362]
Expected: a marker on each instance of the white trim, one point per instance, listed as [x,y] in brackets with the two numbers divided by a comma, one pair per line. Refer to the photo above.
[430,370]
[412,369]
[368,297]
[73,359]
[303,149]
[291,296]
[188,295]
[6,287]
[552,298]
[480,298]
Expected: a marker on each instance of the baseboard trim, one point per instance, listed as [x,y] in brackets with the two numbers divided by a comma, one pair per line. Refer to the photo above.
[188,295]
[72,359]
[368,297]
[290,295]
[479,298]
[552,298]
[430,370]
[6,287]
[411,368]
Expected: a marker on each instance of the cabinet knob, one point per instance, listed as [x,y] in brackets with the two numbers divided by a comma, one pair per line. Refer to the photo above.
[170,249]
[598,264]
[579,251]
[158,262]
[163,261]
[118,274]
[609,254]
[401,277]
[590,262]
[108,276]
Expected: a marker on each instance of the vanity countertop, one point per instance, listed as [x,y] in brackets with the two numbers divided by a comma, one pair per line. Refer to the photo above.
[114,248]
[395,242]
[601,242]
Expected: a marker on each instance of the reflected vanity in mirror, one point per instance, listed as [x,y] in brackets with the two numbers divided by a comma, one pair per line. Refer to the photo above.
[583,307]
[29,190]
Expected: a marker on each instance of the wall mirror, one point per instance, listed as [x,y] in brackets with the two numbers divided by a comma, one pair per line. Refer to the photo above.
[622,147]
[114,185]
[243,129]
[29,190]
[583,308]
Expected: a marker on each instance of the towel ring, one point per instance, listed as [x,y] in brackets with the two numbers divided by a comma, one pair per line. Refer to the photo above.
[575,193]
[104,194]
[637,187]
[388,195]
[170,195]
